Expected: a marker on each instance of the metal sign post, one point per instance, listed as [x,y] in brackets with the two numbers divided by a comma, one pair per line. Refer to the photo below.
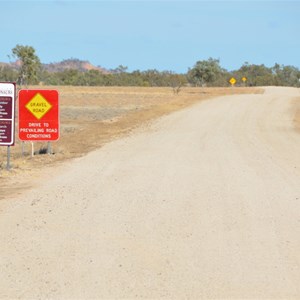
[244,79]
[49,151]
[8,158]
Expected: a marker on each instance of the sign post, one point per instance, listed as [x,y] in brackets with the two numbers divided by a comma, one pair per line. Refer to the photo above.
[244,79]
[7,116]
[38,115]
[8,159]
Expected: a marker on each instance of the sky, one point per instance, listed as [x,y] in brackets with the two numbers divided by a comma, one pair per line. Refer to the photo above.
[163,35]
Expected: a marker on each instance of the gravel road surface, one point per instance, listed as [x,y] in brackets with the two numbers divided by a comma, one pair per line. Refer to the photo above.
[203,203]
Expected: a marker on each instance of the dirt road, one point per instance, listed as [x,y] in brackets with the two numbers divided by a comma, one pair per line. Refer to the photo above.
[205,203]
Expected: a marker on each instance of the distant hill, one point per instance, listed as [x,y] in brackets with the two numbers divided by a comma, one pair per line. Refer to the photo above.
[73,63]
[67,64]
[13,65]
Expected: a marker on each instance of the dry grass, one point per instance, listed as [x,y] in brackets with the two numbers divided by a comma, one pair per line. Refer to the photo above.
[93,116]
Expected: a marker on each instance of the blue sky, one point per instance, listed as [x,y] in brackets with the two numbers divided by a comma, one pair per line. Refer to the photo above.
[162,35]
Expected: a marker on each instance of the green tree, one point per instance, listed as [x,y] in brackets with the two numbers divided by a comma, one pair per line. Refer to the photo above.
[286,75]
[257,75]
[30,64]
[120,69]
[205,72]
[7,73]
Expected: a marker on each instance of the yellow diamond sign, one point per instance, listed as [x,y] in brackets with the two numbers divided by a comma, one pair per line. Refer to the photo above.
[232,80]
[38,106]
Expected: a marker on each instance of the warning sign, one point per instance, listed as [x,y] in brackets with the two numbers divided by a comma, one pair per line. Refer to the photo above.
[7,113]
[38,106]
[38,115]
[232,81]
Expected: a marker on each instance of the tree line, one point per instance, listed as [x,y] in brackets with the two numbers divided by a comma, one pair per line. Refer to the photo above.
[204,73]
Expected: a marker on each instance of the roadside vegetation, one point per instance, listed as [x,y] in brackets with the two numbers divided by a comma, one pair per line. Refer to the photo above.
[205,73]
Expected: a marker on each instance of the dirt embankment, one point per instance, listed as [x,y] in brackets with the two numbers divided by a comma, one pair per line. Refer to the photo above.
[93,116]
